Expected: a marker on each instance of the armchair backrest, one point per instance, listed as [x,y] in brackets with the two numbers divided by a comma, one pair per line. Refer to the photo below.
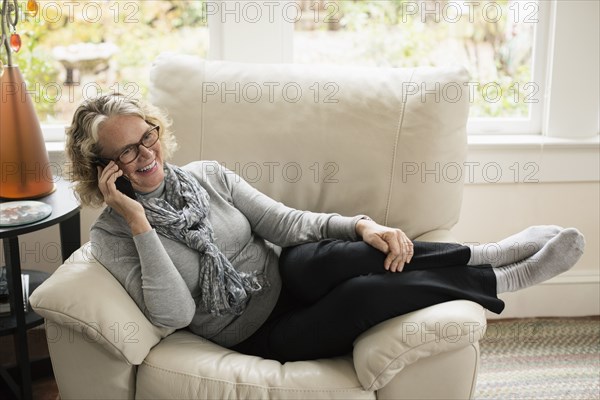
[390,143]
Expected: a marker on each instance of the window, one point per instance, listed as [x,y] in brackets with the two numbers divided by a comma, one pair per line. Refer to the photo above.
[78,49]
[493,39]
[560,35]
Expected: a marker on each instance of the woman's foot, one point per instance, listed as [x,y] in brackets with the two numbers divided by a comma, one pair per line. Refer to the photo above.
[514,248]
[557,256]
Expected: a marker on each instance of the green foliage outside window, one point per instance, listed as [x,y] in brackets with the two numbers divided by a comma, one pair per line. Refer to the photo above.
[140,30]
[495,48]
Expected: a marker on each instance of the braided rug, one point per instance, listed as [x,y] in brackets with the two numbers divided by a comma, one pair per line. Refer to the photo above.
[540,358]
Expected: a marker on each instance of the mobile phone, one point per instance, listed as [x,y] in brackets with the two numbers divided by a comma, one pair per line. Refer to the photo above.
[122,183]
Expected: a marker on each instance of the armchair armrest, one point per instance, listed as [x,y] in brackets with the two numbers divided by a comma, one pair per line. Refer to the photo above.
[384,350]
[84,297]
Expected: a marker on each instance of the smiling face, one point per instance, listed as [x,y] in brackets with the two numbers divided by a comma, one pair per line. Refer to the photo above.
[115,134]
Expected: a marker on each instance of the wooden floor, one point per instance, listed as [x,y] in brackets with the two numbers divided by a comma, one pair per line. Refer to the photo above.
[44,386]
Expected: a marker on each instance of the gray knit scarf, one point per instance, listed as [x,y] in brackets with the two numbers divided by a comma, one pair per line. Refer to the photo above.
[183,215]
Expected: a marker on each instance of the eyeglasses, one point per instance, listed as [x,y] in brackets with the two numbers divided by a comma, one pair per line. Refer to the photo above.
[131,152]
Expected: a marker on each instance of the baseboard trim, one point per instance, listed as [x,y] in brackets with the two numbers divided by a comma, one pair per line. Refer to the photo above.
[574,277]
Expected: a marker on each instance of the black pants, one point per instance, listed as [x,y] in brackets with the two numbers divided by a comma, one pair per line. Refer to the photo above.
[334,290]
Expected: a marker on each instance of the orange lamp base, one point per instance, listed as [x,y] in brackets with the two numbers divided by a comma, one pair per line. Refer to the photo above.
[25,170]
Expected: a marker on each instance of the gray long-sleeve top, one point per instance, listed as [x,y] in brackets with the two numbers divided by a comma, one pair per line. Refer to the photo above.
[161,275]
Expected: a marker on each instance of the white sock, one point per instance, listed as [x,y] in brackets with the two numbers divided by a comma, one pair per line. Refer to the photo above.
[557,256]
[514,248]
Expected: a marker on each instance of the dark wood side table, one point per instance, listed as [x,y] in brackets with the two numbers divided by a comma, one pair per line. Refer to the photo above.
[65,212]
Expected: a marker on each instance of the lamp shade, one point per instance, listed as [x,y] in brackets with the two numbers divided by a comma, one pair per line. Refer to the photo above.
[25,171]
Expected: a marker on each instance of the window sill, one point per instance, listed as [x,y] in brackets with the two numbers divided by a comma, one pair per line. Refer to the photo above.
[55,148]
[493,159]
[486,142]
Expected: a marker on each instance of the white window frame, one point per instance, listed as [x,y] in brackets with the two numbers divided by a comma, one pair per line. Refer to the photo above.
[569,111]
[53,132]
[532,125]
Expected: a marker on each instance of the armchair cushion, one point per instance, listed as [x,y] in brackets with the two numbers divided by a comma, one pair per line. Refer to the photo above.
[381,128]
[384,350]
[69,299]
[169,372]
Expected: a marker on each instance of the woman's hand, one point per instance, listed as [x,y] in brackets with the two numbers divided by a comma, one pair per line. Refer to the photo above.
[128,208]
[393,242]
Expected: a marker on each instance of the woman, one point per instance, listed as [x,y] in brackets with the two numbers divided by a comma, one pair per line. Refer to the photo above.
[198,247]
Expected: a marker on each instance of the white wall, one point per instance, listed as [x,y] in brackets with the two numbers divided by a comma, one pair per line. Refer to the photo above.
[491,212]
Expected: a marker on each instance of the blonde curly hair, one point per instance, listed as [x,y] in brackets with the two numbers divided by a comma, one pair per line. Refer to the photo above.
[82,139]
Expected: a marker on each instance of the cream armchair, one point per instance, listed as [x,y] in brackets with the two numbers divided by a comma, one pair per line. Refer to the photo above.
[348,140]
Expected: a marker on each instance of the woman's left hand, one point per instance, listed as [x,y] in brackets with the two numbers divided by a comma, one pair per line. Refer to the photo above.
[390,241]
